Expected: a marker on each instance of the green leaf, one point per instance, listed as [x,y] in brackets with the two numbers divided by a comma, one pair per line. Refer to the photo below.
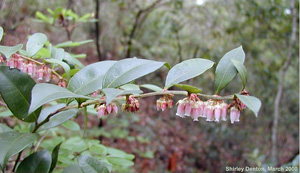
[71,125]
[98,149]
[117,161]
[152,87]
[58,119]
[225,70]
[35,43]
[42,53]
[186,70]
[65,66]
[37,162]
[70,59]
[48,110]
[54,157]
[242,71]
[119,153]
[72,169]
[6,113]
[57,53]
[130,87]
[90,164]
[73,44]
[4,128]
[112,93]
[127,70]
[13,142]
[188,88]
[251,102]
[1,33]
[15,88]
[7,51]
[41,16]
[40,97]
[84,17]
[89,79]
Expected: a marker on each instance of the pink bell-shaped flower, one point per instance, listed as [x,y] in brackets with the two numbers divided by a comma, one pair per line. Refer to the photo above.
[20,63]
[195,113]
[115,108]
[163,105]
[109,108]
[47,74]
[188,108]
[233,114]
[101,111]
[180,109]
[40,74]
[217,112]
[209,113]
[224,108]
[11,62]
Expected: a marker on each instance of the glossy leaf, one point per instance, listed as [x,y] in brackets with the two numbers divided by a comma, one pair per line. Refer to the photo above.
[48,110]
[188,88]
[71,125]
[241,70]
[13,142]
[57,53]
[186,70]
[37,162]
[64,65]
[1,33]
[112,93]
[35,43]
[15,88]
[58,119]
[54,157]
[54,92]
[4,128]
[73,44]
[90,164]
[89,79]
[127,70]
[151,87]
[72,169]
[251,102]
[7,51]
[130,87]
[225,70]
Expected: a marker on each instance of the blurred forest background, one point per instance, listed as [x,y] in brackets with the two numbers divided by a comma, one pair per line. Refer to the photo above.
[177,30]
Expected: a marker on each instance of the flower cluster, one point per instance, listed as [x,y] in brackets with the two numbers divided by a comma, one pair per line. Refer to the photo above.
[131,105]
[164,102]
[29,67]
[104,109]
[212,110]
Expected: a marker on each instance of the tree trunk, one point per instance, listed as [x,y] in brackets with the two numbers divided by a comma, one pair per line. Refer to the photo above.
[281,83]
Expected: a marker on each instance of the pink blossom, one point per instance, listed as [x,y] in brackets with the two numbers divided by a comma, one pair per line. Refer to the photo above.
[180,109]
[217,112]
[233,114]
[188,108]
[224,108]
[209,113]
[101,111]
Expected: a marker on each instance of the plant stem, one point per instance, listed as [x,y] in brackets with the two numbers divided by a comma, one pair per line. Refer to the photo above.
[17,160]
[40,63]
[85,121]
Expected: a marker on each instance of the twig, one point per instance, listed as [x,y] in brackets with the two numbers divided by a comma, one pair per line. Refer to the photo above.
[40,141]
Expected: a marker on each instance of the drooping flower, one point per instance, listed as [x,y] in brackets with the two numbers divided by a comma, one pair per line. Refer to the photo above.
[40,73]
[131,105]
[164,102]
[180,108]
[224,108]
[217,112]
[210,113]
[101,110]
[234,114]
[47,74]
[62,83]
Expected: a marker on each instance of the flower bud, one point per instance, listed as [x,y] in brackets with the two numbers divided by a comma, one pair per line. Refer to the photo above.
[109,108]
[158,104]
[163,105]
[115,108]
[170,103]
